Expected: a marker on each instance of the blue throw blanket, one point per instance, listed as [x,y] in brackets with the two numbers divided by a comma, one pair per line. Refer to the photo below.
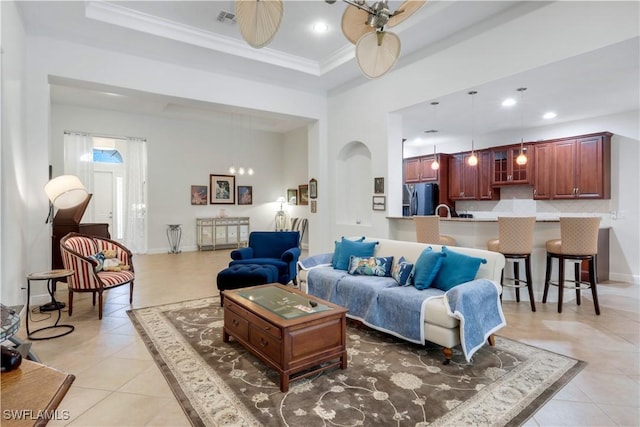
[477,305]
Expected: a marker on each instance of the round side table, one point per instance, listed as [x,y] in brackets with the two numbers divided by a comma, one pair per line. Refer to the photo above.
[49,276]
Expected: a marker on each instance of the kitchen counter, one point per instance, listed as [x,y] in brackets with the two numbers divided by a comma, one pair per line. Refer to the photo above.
[475,232]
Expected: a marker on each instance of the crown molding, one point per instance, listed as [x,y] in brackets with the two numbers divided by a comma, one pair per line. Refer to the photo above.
[121,16]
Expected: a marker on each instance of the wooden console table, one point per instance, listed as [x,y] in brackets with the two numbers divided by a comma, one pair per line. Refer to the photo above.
[31,395]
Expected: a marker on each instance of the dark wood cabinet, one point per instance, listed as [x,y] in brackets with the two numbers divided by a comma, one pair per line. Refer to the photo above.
[419,169]
[471,182]
[485,184]
[463,179]
[581,167]
[505,169]
[542,170]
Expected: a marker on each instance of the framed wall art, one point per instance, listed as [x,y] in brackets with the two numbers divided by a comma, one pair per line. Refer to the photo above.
[292,196]
[199,195]
[303,194]
[313,188]
[222,189]
[245,195]
[379,203]
[314,206]
[378,185]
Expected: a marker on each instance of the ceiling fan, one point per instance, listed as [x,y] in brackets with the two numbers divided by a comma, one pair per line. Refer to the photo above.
[377,50]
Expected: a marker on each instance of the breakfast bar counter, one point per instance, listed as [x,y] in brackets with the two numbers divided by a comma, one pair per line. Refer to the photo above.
[475,232]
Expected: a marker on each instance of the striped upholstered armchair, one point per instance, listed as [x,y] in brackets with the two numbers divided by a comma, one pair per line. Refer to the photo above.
[84,255]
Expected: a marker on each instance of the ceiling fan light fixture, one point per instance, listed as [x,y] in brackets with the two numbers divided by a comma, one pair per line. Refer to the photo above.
[259,20]
[377,53]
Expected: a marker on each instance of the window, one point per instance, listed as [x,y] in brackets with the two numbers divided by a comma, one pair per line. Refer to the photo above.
[106,155]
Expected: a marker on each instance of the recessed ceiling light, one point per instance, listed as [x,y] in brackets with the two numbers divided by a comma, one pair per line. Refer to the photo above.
[549,115]
[320,27]
[509,102]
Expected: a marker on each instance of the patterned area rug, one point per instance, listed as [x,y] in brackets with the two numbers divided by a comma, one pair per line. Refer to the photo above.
[388,381]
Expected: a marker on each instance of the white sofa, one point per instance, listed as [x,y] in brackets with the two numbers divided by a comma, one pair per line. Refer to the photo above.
[439,327]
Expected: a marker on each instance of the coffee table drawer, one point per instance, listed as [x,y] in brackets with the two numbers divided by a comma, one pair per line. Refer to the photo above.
[236,325]
[265,343]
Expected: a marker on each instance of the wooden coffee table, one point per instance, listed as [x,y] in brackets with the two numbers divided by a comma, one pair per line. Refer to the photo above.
[290,331]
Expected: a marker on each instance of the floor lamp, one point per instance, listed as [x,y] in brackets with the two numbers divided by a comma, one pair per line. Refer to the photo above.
[64,192]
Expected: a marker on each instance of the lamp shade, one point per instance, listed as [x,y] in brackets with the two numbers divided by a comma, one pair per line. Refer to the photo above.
[65,191]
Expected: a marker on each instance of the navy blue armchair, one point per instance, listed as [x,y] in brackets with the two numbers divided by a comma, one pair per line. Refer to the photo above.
[278,248]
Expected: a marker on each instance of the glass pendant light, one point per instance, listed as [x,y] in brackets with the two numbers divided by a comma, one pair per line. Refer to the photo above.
[522,158]
[473,159]
[435,165]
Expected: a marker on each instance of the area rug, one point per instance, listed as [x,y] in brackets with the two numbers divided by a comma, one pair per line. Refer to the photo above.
[387,382]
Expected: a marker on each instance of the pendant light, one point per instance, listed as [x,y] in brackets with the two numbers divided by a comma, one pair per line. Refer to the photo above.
[435,165]
[522,158]
[238,130]
[473,159]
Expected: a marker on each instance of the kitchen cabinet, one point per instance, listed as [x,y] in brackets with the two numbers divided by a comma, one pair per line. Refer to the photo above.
[463,179]
[485,184]
[418,169]
[542,164]
[471,182]
[505,169]
[581,167]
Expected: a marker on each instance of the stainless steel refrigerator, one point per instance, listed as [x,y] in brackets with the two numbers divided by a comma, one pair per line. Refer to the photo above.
[420,199]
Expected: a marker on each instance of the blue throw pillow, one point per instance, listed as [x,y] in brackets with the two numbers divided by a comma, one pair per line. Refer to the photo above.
[337,250]
[427,267]
[371,266]
[349,248]
[456,269]
[402,271]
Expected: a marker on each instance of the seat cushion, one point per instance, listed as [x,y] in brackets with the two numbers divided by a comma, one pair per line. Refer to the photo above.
[115,278]
[243,275]
[281,266]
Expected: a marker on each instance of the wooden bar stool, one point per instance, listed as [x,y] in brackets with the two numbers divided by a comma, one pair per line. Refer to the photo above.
[428,231]
[578,242]
[515,240]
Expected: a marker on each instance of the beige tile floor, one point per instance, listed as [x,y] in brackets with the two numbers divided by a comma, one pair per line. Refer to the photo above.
[118,384]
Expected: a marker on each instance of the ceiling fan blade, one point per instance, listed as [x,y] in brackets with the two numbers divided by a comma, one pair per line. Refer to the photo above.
[405,10]
[377,53]
[259,20]
[354,23]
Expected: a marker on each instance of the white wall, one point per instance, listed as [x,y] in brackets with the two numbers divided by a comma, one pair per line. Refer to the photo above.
[570,28]
[13,159]
[182,153]
[295,154]
[48,57]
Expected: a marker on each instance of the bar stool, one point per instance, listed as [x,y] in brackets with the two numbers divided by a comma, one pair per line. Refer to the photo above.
[428,231]
[578,242]
[515,240]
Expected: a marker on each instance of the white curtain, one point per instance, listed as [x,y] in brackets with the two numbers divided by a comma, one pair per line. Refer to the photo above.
[78,159]
[135,208]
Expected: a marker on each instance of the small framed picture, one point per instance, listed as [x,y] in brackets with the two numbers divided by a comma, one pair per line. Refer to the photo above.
[379,203]
[378,185]
[222,189]
[245,195]
[303,194]
[314,206]
[199,195]
[313,188]
[292,196]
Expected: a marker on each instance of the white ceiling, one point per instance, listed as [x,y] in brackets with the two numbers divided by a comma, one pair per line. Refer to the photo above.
[187,33]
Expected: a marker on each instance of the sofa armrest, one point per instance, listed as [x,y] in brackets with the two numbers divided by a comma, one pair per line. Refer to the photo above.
[290,255]
[242,253]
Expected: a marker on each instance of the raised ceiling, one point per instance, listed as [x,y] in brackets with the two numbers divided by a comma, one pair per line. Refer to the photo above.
[188,33]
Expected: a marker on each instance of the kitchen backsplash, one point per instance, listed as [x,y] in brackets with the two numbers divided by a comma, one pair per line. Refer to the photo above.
[518,200]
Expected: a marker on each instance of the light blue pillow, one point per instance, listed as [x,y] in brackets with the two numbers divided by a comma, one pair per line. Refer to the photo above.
[402,271]
[427,267]
[456,269]
[337,250]
[349,248]
[371,266]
